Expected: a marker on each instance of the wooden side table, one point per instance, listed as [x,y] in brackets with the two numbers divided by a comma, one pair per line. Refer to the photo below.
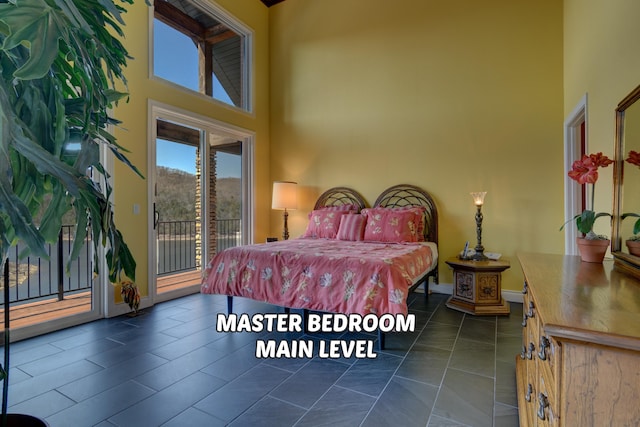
[477,286]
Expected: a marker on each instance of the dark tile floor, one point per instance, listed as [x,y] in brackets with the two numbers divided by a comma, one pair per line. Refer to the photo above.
[169,367]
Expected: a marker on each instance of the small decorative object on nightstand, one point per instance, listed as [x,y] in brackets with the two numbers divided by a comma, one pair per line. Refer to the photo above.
[477,286]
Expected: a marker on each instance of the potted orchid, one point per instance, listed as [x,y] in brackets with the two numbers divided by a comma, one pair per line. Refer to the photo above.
[585,171]
[633,242]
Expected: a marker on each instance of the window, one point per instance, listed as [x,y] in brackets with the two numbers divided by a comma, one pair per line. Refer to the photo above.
[200,47]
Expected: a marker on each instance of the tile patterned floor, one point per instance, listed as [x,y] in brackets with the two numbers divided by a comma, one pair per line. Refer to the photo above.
[169,367]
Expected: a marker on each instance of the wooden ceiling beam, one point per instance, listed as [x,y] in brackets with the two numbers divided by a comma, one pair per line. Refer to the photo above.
[176,133]
[218,33]
[270,3]
[176,18]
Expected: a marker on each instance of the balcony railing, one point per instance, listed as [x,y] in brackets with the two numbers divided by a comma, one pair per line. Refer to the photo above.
[227,234]
[34,278]
[177,243]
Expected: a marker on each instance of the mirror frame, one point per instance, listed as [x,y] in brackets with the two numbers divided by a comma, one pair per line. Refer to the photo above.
[626,262]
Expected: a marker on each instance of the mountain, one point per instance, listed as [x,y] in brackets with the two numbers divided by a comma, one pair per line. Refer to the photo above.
[176,193]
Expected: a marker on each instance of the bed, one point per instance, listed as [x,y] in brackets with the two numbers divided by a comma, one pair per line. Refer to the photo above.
[351,259]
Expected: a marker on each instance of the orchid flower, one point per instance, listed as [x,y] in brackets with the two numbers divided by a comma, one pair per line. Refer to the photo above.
[585,171]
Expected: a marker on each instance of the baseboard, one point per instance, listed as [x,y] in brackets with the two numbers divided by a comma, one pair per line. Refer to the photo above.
[512,296]
[123,308]
[441,288]
[447,289]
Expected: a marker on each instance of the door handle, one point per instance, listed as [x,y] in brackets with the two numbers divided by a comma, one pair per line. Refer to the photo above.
[156,217]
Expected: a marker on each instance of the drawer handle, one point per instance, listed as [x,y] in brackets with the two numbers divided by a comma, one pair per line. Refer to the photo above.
[523,353]
[524,320]
[527,396]
[544,403]
[544,344]
[531,313]
[525,288]
[487,290]
[532,349]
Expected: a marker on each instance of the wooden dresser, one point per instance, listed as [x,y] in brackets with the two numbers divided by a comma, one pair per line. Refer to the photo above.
[580,360]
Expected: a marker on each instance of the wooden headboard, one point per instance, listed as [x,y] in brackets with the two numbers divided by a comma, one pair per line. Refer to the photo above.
[410,195]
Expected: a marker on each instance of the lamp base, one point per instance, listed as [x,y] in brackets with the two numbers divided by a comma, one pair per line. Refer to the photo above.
[479,250]
[285,233]
[479,256]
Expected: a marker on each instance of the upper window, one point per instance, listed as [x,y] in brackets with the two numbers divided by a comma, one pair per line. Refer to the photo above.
[198,46]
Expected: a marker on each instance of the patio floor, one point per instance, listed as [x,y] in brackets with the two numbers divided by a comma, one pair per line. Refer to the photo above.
[42,311]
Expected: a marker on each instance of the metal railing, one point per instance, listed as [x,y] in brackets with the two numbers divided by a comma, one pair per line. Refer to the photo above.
[227,234]
[176,242]
[32,278]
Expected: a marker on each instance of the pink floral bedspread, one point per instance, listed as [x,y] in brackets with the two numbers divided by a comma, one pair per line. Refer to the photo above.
[321,274]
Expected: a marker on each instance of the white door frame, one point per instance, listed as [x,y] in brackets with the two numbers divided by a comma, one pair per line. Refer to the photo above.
[159,110]
[572,190]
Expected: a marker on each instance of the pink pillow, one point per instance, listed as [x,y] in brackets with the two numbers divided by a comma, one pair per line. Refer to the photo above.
[352,227]
[420,211]
[391,225]
[324,223]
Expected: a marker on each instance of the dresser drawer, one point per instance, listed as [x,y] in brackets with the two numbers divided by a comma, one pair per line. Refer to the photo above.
[525,392]
[547,385]
[546,406]
[527,369]
[531,329]
[548,354]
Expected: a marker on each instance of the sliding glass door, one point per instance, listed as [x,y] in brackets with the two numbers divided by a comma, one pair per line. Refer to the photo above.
[199,198]
[176,206]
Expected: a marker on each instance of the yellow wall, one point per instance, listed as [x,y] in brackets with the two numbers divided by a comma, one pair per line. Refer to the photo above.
[133,135]
[601,60]
[450,96]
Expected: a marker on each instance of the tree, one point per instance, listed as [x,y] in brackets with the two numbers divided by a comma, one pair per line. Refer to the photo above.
[61,65]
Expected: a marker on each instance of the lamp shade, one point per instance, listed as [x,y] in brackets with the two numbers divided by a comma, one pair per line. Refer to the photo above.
[285,195]
[478,197]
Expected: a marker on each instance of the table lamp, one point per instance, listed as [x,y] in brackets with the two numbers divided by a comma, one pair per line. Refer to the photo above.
[285,196]
[478,200]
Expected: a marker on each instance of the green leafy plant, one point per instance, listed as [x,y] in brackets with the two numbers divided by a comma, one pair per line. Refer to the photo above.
[636,225]
[61,64]
[585,171]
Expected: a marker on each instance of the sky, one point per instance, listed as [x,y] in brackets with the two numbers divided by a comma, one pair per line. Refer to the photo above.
[178,50]
[183,157]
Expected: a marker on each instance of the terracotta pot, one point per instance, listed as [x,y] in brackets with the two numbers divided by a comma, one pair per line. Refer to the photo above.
[592,250]
[634,247]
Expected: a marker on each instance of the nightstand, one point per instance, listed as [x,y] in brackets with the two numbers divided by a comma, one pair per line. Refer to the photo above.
[477,286]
